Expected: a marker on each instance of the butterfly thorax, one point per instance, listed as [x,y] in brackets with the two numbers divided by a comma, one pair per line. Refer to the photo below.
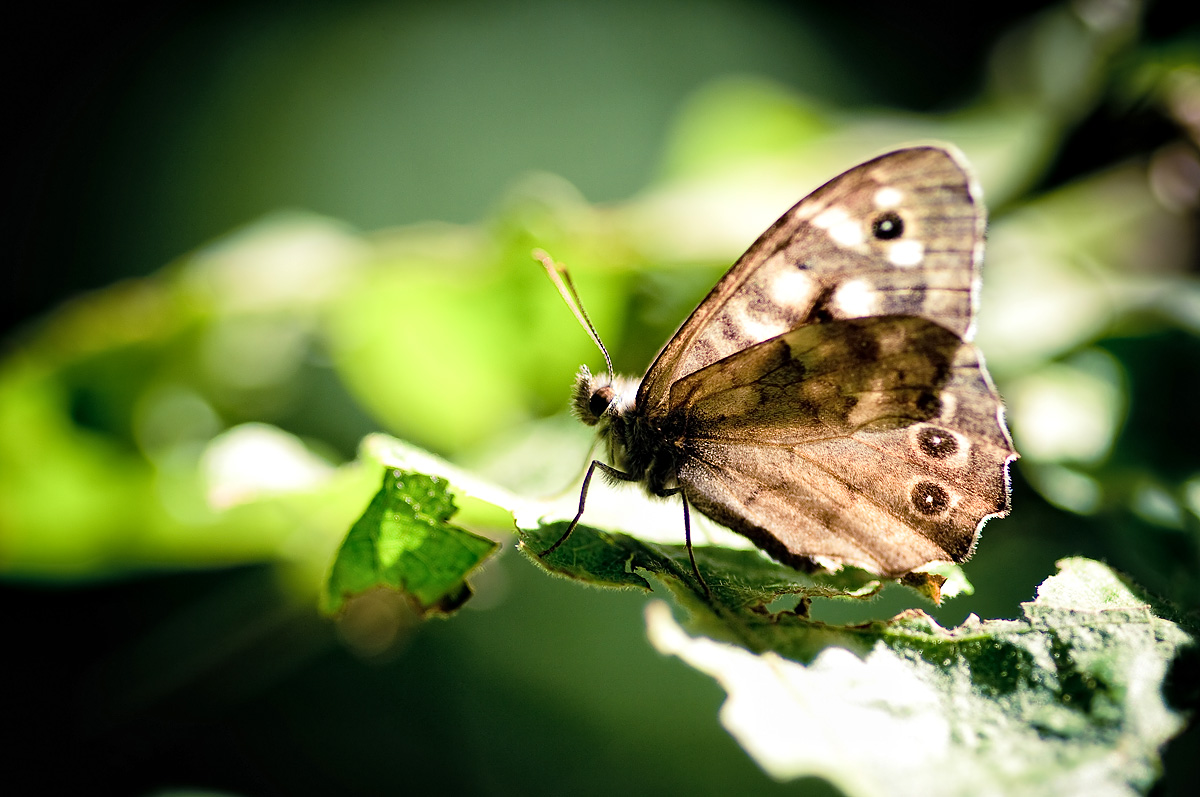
[635,444]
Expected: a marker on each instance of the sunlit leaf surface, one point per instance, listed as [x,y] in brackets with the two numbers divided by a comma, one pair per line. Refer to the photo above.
[1066,700]
[404,542]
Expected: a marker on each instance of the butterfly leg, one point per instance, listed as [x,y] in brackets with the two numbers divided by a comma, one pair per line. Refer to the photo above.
[587,480]
[687,538]
[623,476]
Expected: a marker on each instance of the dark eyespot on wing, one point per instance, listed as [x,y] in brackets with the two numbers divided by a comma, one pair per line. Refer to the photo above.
[888,226]
[929,498]
[937,443]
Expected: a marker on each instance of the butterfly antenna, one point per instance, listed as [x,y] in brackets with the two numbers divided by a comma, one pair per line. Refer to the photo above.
[566,289]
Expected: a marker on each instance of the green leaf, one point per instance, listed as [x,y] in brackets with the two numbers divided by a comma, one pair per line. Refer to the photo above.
[741,582]
[737,580]
[1067,700]
[404,542]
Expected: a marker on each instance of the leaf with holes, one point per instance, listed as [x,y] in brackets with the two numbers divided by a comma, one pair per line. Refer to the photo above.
[1067,700]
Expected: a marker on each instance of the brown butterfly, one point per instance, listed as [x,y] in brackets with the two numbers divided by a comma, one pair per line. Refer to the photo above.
[823,400]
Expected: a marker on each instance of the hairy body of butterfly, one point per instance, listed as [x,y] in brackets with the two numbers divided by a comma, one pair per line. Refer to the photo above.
[824,399]
[642,449]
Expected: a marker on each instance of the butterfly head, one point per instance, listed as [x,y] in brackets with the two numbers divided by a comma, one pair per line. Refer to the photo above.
[600,398]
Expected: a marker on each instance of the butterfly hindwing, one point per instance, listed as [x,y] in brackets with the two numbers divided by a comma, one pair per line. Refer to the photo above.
[823,517]
[820,381]
[886,453]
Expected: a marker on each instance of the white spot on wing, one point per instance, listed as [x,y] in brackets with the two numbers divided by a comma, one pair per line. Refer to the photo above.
[792,289]
[888,197]
[809,208]
[906,253]
[830,217]
[843,229]
[855,299]
[848,233]
[961,456]
[763,330]
[949,406]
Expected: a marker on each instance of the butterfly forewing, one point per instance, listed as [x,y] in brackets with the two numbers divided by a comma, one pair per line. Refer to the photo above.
[898,235]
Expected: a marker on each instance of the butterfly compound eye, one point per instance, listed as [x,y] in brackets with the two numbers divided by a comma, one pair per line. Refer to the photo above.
[888,226]
[601,398]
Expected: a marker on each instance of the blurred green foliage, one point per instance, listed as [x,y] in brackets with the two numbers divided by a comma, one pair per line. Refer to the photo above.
[208,415]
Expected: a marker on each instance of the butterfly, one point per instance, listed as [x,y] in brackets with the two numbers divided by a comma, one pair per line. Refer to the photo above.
[824,400]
